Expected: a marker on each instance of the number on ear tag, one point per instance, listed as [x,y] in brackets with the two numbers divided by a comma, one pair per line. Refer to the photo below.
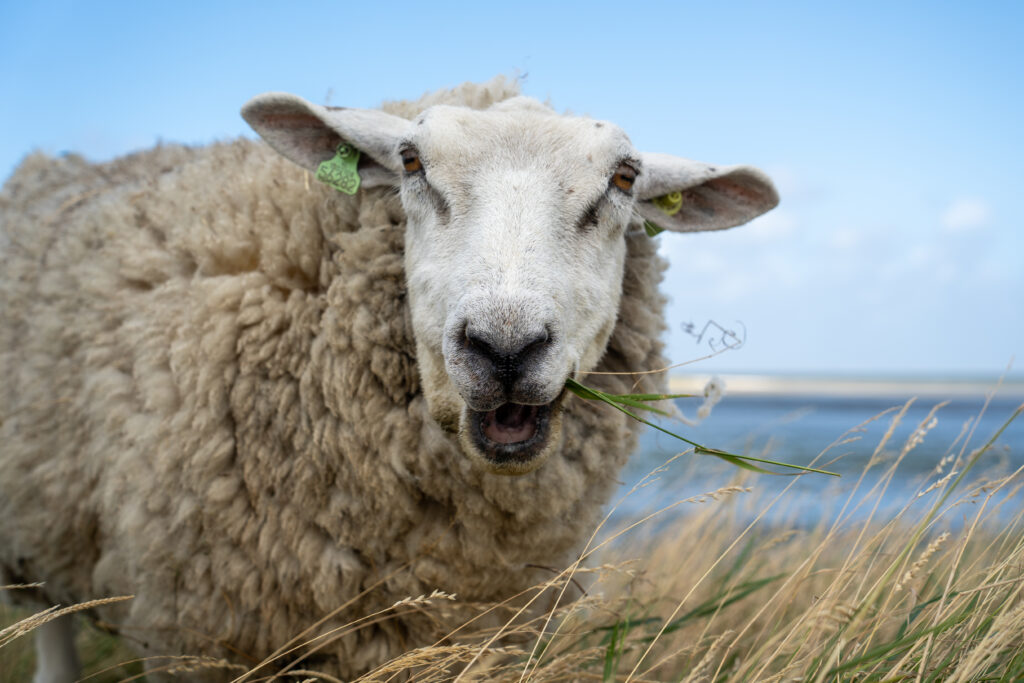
[341,171]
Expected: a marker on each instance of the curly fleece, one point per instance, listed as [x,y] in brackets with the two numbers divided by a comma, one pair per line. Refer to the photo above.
[211,402]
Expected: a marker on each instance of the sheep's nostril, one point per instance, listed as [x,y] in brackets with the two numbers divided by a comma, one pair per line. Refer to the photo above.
[478,343]
[540,340]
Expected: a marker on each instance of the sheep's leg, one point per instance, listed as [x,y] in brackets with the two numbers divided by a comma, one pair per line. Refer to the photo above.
[56,659]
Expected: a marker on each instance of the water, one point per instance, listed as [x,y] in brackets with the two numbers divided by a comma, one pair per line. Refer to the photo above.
[798,428]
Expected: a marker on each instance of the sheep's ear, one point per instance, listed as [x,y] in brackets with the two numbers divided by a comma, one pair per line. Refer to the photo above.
[687,196]
[309,134]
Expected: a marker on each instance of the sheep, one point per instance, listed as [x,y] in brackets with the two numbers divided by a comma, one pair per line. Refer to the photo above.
[247,397]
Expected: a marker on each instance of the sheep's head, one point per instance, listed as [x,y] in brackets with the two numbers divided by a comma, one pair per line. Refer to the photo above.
[514,246]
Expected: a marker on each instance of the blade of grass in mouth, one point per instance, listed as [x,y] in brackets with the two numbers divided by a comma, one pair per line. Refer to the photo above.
[639,401]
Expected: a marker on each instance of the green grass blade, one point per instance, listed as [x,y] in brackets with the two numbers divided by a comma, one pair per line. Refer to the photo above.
[649,397]
[742,461]
[616,645]
[639,405]
[584,391]
[609,656]
[722,600]
[652,230]
[901,644]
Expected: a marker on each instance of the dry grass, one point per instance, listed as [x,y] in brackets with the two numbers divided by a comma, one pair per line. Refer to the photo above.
[98,649]
[933,592]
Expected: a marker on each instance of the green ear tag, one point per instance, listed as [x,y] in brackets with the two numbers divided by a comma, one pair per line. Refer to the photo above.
[669,203]
[341,171]
[652,229]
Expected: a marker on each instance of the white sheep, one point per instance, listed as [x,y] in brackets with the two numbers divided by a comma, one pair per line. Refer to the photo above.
[247,398]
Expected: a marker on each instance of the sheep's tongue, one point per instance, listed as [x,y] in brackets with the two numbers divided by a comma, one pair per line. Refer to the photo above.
[510,423]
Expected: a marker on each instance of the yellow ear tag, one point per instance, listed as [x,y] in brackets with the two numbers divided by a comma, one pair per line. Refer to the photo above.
[669,204]
[341,171]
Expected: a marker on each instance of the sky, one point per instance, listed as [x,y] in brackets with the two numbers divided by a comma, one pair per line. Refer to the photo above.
[892,130]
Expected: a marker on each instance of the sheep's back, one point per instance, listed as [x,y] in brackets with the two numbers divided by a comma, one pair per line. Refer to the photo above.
[121,294]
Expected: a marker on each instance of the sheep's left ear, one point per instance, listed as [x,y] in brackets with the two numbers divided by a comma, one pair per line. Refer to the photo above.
[686,196]
[310,134]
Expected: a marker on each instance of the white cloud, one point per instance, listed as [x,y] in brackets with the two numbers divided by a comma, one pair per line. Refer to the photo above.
[966,213]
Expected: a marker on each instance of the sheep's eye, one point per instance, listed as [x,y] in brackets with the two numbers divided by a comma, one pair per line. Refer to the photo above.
[411,161]
[625,176]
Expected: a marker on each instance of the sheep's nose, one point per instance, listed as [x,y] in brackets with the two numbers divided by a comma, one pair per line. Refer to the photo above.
[509,357]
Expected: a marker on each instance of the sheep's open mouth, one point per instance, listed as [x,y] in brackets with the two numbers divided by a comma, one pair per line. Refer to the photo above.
[511,436]
[511,423]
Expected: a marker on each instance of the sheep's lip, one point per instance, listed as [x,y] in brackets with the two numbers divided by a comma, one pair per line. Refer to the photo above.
[513,436]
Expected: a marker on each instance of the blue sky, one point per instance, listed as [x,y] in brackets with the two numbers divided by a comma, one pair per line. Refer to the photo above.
[893,131]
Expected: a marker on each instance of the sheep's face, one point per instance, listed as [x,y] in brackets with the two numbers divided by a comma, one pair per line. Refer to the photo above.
[514,249]
[514,255]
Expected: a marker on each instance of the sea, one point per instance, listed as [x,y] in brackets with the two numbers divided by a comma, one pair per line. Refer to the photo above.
[895,444]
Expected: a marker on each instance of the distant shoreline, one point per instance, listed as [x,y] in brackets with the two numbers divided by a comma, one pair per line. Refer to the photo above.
[789,385]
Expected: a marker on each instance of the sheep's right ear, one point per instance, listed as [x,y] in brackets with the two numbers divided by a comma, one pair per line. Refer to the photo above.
[310,134]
